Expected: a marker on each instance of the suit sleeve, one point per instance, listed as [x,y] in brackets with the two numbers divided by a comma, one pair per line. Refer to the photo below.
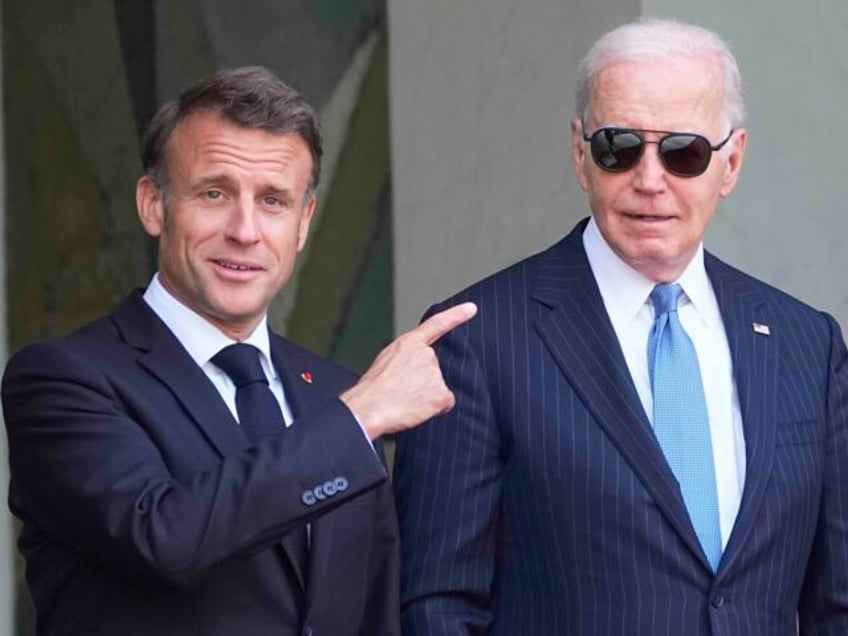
[85,473]
[448,481]
[823,610]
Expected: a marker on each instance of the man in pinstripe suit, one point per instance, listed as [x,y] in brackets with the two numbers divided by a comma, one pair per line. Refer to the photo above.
[544,502]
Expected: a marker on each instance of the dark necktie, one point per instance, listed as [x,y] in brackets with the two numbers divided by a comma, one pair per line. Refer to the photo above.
[681,419]
[260,417]
[258,410]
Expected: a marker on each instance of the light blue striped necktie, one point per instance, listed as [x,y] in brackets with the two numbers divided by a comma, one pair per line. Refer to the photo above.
[681,420]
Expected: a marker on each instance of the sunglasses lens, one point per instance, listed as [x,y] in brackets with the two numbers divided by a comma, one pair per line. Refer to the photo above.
[616,150]
[685,155]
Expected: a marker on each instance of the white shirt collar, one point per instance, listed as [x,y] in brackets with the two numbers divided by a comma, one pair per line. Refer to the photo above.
[200,338]
[625,291]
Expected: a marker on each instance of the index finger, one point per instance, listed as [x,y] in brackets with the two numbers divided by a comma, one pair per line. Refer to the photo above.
[439,324]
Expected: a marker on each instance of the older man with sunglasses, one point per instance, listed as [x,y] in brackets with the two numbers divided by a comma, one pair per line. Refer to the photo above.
[645,441]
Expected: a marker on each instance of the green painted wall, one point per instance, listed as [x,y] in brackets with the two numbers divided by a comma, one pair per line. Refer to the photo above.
[343,242]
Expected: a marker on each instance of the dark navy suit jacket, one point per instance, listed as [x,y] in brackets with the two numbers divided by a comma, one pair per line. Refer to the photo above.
[146,511]
[542,503]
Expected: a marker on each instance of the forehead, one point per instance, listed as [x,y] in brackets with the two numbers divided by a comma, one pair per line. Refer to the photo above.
[206,141]
[684,94]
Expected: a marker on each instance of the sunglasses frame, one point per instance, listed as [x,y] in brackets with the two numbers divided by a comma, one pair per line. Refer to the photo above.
[666,134]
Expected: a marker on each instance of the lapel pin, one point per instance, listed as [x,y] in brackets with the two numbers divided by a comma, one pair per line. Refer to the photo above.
[306,377]
[761,329]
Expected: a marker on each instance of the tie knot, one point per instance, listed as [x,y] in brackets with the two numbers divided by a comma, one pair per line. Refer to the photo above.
[241,362]
[665,297]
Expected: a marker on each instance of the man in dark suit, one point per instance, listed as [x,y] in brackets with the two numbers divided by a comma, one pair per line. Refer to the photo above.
[645,441]
[177,467]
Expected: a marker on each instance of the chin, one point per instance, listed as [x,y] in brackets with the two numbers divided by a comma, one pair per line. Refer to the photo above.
[229,308]
[660,268]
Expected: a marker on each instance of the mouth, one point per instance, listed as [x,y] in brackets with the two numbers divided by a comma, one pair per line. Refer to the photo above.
[236,266]
[649,218]
[654,218]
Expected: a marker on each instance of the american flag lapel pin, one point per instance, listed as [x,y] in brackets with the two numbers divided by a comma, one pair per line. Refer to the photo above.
[306,376]
[761,329]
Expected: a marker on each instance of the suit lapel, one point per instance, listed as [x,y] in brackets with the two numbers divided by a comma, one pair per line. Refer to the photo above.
[164,357]
[755,369]
[301,382]
[581,338]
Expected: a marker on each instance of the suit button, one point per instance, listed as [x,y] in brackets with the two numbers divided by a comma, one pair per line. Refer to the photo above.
[341,484]
[330,488]
[718,600]
[319,493]
[307,631]
[308,498]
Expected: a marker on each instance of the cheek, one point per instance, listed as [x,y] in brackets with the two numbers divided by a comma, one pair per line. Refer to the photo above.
[285,242]
[701,201]
[607,192]
[203,234]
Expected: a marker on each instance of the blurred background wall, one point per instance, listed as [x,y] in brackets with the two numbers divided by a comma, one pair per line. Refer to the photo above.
[460,169]
[81,81]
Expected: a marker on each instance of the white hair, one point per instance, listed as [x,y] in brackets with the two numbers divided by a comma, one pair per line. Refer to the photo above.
[661,38]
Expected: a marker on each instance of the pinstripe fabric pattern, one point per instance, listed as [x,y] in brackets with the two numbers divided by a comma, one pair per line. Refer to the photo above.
[542,503]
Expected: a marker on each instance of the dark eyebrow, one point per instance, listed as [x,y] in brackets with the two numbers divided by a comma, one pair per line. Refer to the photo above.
[214,179]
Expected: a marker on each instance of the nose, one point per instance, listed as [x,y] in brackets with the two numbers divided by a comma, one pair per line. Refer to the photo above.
[649,174]
[243,223]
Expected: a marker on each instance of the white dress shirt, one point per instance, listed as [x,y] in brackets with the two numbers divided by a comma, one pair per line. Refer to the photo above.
[202,341]
[626,296]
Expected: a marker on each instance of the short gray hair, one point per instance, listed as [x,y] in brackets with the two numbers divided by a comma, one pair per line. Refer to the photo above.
[661,38]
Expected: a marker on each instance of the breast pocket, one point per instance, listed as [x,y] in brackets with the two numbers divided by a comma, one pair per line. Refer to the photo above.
[799,433]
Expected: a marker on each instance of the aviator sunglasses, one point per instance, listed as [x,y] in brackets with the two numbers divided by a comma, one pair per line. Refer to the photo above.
[682,154]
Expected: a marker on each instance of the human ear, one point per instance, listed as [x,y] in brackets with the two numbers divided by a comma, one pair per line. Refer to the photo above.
[578,152]
[733,165]
[150,205]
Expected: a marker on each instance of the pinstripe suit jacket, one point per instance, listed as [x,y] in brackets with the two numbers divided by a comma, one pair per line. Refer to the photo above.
[542,504]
